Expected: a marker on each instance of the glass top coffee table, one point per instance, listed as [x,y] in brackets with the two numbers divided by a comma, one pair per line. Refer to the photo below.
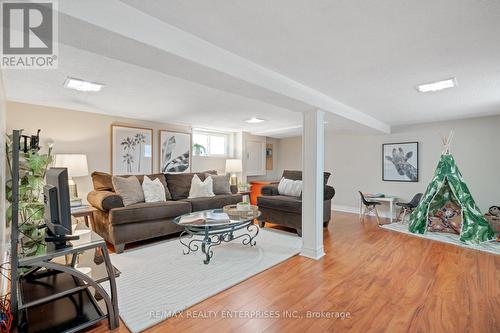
[206,229]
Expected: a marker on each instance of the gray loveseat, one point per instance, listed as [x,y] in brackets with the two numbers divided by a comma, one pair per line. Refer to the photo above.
[120,225]
[286,210]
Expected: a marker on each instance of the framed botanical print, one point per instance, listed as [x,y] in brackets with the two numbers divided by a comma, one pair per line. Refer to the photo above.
[175,152]
[400,162]
[131,150]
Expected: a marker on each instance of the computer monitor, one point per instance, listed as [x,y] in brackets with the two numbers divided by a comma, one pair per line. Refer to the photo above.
[57,214]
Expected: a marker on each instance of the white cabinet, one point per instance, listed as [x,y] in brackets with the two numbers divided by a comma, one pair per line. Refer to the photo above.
[255,159]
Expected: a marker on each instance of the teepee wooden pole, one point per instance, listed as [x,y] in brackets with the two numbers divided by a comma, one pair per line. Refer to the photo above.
[450,139]
[447,142]
[443,139]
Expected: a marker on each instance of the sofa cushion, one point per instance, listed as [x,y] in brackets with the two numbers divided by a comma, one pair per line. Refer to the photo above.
[147,211]
[129,189]
[220,184]
[281,202]
[215,202]
[297,175]
[154,191]
[201,189]
[154,176]
[179,184]
[102,181]
[290,187]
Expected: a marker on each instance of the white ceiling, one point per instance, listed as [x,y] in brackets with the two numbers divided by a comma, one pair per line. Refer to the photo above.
[366,55]
[136,92]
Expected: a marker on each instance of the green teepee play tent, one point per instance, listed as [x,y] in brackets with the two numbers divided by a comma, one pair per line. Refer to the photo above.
[448,185]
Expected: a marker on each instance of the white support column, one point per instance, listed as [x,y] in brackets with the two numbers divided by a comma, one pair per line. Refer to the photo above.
[313,143]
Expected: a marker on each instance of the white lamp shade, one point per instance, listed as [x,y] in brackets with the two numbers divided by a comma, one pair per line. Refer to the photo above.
[76,164]
[234,165]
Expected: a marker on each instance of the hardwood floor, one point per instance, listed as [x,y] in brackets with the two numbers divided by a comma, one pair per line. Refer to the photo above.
[387,281]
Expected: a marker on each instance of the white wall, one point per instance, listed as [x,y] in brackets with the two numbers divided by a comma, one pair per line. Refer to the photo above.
[290,157]
[273,174]
[88,133]
[356,160]
[204,163]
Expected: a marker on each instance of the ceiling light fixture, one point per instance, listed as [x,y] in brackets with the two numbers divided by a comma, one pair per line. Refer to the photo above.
[82,85]
[437,86]
[254,120]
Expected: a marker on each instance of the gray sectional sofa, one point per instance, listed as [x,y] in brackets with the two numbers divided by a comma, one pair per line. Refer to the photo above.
[120,225]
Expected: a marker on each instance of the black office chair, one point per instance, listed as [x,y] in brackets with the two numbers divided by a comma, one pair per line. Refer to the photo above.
[368,207]
[408,207]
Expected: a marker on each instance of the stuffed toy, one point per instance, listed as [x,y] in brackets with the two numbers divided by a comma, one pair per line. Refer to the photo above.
[494,211]
[446,219]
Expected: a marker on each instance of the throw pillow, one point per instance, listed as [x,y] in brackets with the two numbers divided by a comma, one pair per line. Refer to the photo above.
[161,178]
[221,184]
[290,187]
[129,189]
[102,181]
[200,189]
[154,191]
[179,184]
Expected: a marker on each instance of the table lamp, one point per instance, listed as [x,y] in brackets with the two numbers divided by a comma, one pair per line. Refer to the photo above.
[233,166]
[77,167]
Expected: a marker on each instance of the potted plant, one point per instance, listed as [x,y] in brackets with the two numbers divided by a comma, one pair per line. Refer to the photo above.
[199,150]
[243,206]
[32,168]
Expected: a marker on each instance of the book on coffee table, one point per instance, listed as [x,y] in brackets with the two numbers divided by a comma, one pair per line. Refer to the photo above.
[217,217]
[194,218]
[204,218]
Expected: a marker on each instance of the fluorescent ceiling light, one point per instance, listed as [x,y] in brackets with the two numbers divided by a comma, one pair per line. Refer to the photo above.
[82,85]
[437,86]
[254,120]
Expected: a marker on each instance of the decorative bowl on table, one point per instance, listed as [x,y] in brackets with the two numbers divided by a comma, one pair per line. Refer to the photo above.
[241,210]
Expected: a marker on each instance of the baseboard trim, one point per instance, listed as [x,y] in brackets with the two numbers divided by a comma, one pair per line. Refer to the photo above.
[345,209]
[382,211]
[315,254]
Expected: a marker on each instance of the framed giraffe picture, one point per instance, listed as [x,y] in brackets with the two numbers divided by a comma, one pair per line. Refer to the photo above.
[175,152]
[400,162]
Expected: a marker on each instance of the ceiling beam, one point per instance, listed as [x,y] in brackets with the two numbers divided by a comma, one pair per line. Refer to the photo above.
[115,16]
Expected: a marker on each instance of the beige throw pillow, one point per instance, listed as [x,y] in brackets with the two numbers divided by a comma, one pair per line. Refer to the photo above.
[154,191]
[201,189]
[129,188]
[290,187]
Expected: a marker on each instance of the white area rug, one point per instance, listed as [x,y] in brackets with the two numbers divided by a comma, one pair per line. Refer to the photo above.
[158,281]
[491,247]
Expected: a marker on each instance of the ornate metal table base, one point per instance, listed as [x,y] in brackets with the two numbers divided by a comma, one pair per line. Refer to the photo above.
[216,235]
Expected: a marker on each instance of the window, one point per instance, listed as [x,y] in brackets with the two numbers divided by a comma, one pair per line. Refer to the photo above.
[209,143]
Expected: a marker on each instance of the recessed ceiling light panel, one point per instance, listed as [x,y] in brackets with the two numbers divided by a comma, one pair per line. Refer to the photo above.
[254,120]
[437,86]
[82,85]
